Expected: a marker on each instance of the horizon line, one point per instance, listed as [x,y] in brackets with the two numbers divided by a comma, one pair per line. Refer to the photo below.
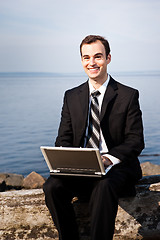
[58,74]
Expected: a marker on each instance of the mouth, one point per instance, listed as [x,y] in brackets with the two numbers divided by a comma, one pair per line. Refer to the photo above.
[94,70]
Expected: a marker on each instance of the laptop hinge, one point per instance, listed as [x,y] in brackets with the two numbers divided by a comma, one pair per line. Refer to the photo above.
[55,171]
[98,173]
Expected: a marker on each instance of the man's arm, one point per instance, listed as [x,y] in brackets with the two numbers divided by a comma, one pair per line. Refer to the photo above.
[133,142]
[65,133]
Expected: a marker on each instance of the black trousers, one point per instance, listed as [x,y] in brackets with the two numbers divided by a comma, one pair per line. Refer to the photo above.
[103,194]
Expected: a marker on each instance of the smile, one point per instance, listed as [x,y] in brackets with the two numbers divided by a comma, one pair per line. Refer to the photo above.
[93,69]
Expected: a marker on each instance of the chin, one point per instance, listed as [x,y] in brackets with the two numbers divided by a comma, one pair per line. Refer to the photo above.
[95,78]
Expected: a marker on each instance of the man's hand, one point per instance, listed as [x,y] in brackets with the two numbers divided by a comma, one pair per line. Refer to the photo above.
[106,161]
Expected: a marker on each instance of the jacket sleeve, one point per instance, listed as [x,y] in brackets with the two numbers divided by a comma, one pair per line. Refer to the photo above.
[133,142]
[65,133]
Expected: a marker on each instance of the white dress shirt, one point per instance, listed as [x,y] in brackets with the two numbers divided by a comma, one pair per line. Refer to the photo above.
[102,147]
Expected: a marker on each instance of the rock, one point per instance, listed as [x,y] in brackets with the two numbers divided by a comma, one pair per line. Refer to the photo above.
[150,169]
[14,180]
[3,175]
[17,181]
[11,180]
[155,187]
[33,180]
[137,218]
[149,179]
[146,182]
[2,185]
[24,215]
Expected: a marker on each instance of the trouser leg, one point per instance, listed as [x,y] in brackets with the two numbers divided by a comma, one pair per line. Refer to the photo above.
[58,200]
[104,205]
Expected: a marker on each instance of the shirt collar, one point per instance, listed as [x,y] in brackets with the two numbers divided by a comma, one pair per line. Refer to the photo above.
[102,88]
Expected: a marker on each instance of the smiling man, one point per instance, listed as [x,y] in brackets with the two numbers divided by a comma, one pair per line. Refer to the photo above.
[104,114]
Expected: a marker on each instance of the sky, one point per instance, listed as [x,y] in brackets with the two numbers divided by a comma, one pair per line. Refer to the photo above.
[44,35]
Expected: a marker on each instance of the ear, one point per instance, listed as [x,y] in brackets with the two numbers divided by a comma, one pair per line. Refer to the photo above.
[108,58]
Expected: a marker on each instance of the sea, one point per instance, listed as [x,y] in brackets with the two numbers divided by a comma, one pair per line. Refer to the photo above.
[30,112]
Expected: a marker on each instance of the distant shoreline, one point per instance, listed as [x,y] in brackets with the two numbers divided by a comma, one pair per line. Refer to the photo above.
[81,74]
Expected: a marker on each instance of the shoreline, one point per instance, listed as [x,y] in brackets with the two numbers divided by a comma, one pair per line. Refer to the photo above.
[11,181]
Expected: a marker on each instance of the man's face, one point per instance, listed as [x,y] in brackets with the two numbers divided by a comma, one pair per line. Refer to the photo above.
[94,61]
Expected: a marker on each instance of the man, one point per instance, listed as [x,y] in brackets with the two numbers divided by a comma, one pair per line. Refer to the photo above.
[119,132]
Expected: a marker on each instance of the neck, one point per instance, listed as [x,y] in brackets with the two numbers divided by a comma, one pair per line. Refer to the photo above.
[97,83]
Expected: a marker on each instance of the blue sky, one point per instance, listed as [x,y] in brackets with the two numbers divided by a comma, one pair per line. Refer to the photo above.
[44,35]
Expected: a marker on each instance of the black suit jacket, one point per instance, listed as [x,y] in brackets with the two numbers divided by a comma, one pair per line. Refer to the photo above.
[121,123]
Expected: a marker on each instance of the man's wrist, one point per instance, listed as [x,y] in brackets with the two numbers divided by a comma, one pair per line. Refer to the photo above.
[106,161]
[113,159]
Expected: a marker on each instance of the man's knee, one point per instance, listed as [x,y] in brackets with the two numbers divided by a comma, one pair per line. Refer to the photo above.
[118,188]
[105,184]
[51,185]
[105,188]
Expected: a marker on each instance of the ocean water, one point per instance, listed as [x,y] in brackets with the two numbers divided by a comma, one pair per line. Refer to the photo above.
[30,107]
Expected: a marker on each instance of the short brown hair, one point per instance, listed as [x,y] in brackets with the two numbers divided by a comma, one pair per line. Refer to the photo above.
[93,38]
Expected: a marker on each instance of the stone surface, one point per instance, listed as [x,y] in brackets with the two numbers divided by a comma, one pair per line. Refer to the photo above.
[23,215]
[150,169]
[11,180]
[33,180]
[155,187]
[2,185]
[149,179]
[138,217]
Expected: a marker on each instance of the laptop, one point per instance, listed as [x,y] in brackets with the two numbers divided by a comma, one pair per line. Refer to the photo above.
[67,161]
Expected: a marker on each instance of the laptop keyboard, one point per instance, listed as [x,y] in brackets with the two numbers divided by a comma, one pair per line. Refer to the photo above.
[77,170]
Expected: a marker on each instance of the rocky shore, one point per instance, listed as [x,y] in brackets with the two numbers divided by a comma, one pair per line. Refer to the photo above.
[10,181]
[23,213]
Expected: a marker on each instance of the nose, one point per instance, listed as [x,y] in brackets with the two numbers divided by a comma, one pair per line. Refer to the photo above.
[92,61]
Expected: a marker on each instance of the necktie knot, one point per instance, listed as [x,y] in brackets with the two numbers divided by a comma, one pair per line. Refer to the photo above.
[95,93]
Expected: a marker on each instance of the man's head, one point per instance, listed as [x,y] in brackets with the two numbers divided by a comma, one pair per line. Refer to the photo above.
[93,38]
[95,56]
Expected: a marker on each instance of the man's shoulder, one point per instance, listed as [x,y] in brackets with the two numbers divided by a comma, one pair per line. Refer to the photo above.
[78,88]
[122,87]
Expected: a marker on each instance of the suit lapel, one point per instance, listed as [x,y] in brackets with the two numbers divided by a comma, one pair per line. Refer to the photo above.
[84,102]
[110,94]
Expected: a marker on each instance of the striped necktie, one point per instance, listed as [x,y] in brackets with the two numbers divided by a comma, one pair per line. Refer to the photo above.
[94,122]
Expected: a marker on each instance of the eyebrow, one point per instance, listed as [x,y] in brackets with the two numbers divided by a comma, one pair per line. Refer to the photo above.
[94,55]
[85,55]
[98,54]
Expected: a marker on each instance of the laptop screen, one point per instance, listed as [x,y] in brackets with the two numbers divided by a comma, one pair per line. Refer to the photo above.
[78,161]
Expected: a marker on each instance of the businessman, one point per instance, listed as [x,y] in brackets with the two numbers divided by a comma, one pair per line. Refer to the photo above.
[99,113]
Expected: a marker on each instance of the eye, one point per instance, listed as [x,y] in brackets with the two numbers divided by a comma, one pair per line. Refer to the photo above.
[86,58]
[98,57]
